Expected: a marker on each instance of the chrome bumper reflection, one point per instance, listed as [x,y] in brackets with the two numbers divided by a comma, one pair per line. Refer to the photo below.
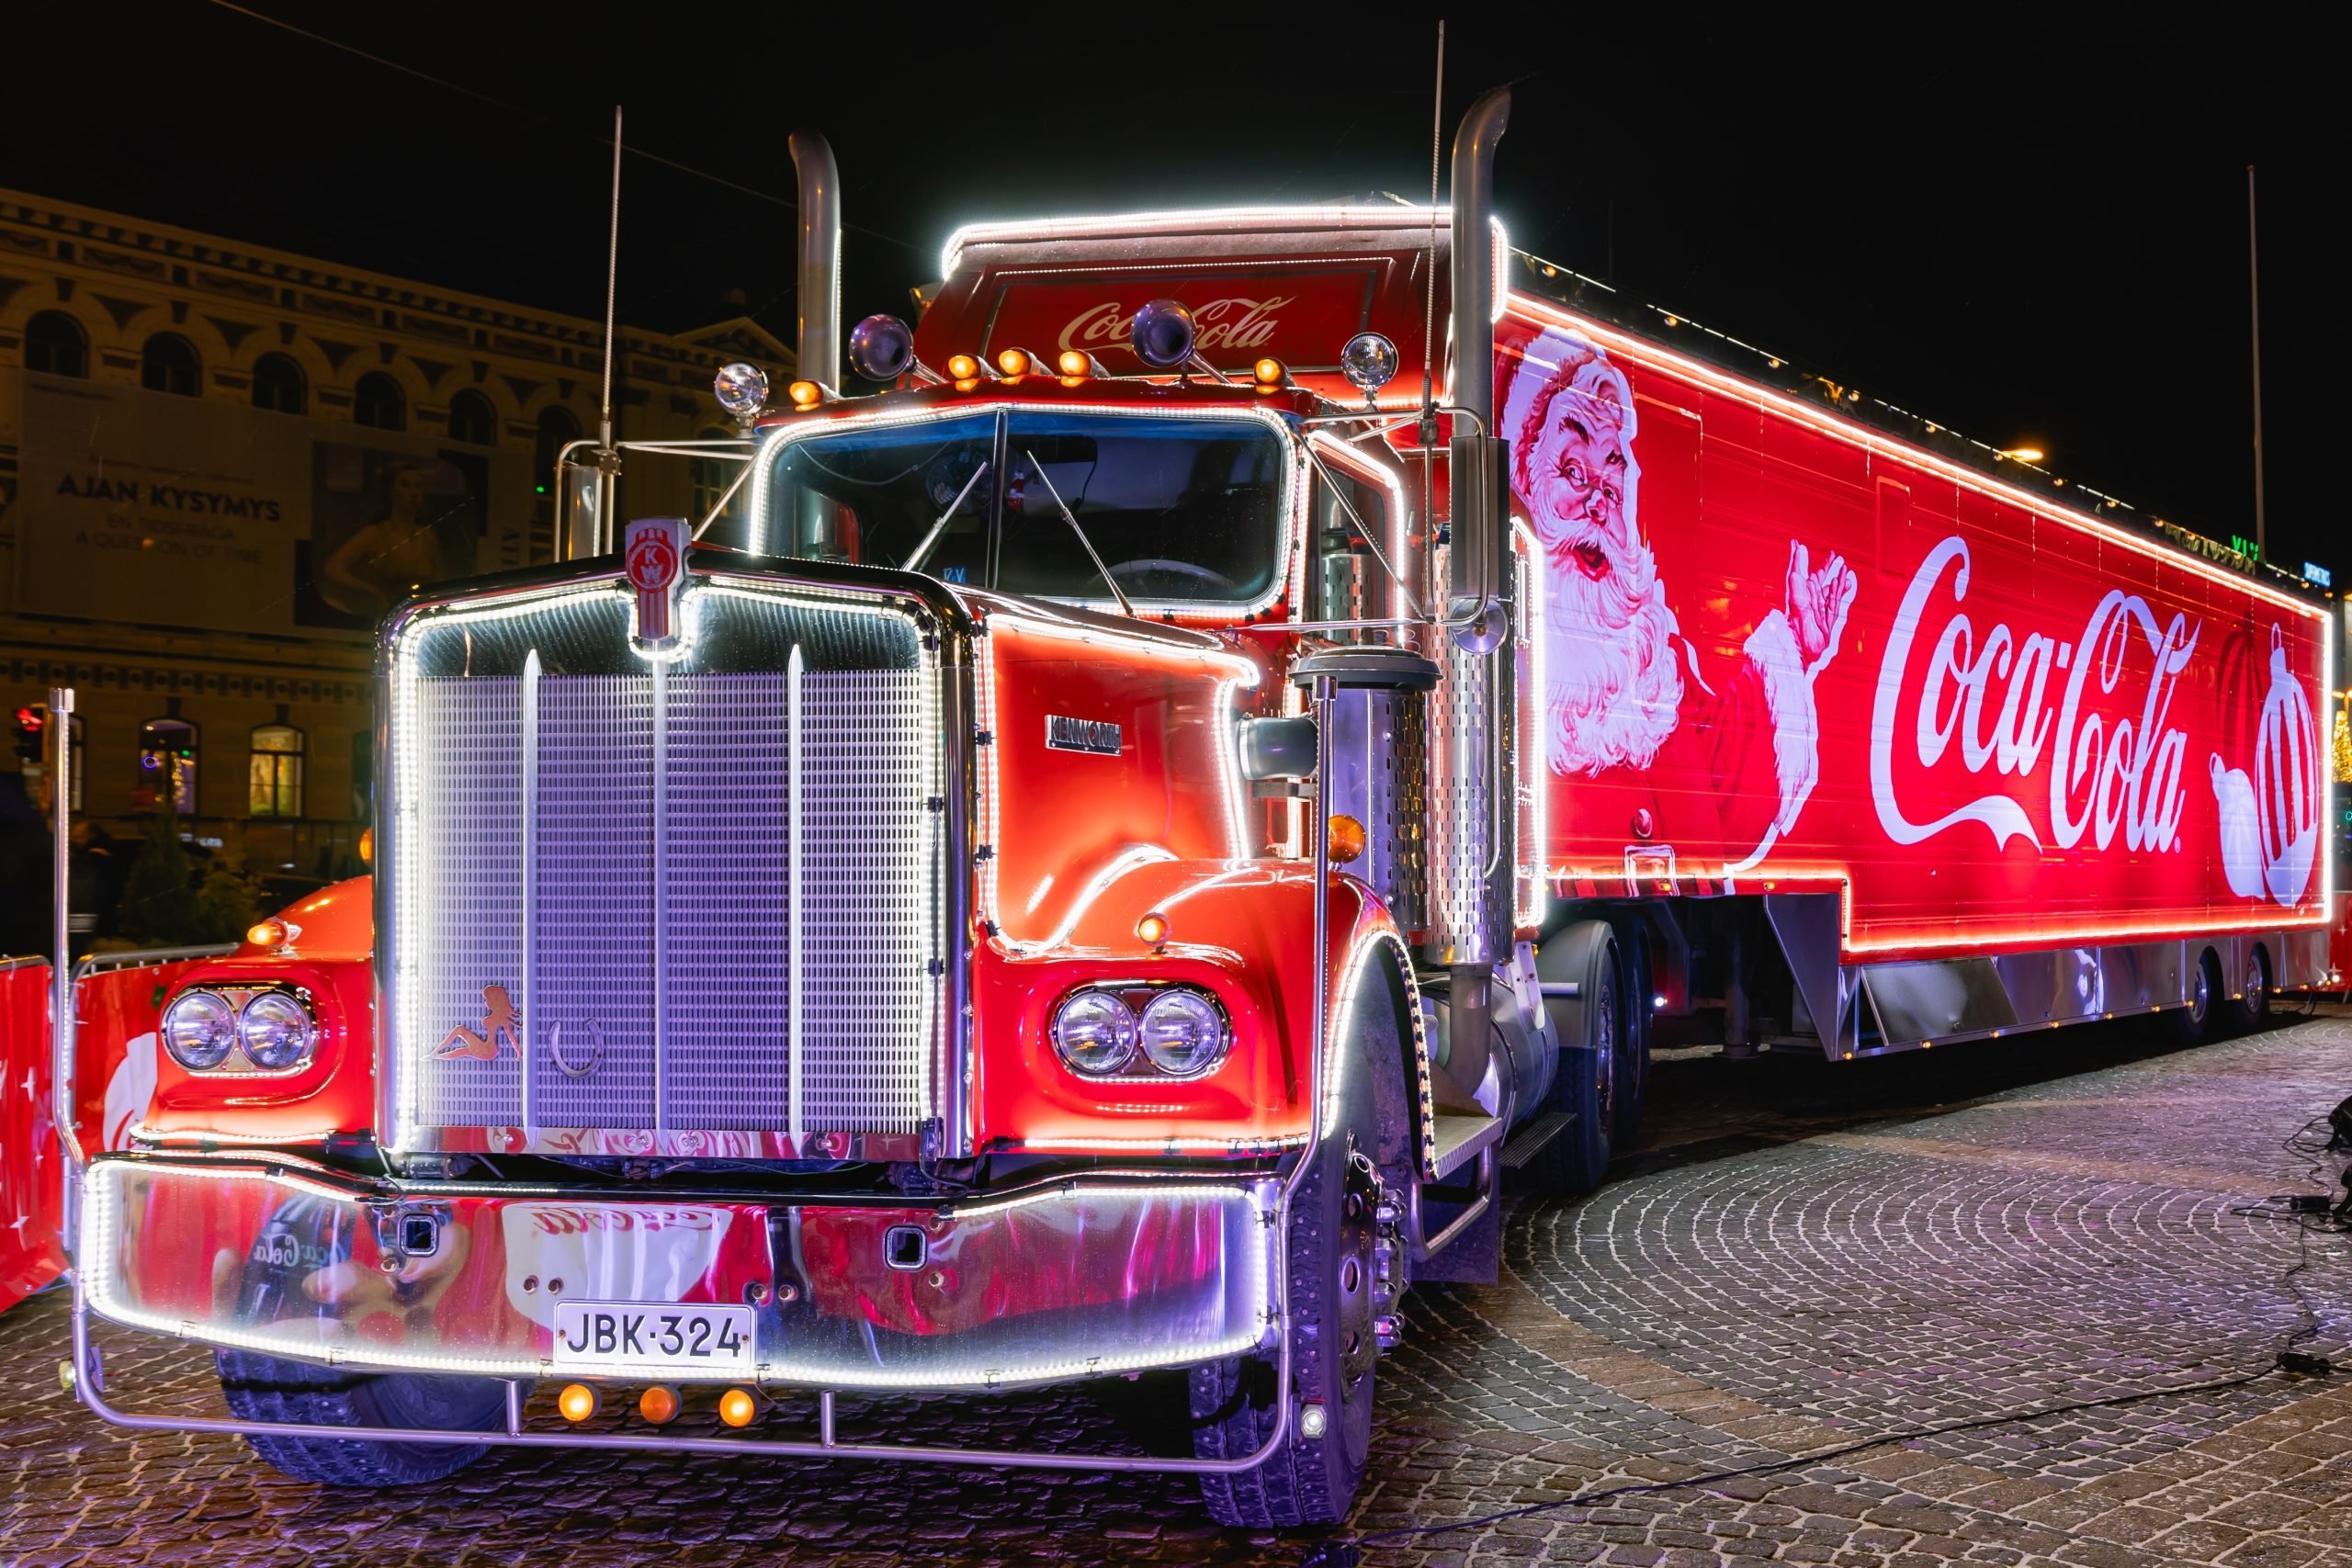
[1092,1276]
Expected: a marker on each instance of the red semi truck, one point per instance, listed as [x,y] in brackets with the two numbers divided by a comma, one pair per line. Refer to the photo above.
[1096,858]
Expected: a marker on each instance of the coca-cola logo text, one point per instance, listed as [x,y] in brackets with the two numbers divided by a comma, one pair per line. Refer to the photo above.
[1233,324]
[2114,760]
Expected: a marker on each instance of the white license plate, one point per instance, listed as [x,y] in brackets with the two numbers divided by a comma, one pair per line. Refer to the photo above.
[654,1336]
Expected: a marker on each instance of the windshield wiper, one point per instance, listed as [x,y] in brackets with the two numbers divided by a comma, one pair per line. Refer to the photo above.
[1112,582]
[922,550]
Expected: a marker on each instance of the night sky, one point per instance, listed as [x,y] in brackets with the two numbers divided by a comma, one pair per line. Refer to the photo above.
[2033,230]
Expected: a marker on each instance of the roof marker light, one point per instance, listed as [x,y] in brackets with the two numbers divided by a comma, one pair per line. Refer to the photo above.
[806,395]
[1015,362]
[1076,365]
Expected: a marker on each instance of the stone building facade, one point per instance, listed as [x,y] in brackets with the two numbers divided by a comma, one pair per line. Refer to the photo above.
[218,462]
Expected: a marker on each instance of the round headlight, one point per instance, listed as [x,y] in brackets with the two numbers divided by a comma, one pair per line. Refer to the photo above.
[276,1030]
[199,1031]
[1184,1032]
[1095,1032]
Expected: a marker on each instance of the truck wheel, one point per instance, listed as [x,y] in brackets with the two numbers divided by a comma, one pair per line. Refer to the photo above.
[2193,1024]
[1591,1029]
[2251,1008]
[264,1388]
[1335,1338]
[1634,1043]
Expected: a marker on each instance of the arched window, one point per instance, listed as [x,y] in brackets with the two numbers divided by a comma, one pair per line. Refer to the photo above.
[472,419]
[56,345]
[378,403]
[168,364]
[280,384]
[557,429]
[274,772]
[167,748]
[711,476]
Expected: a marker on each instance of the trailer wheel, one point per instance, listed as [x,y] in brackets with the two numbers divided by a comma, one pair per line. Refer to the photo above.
[1335,1338]
[1593,1036]
[1634,1043]
[2251,1008]
[264,1388]
[2193,1024]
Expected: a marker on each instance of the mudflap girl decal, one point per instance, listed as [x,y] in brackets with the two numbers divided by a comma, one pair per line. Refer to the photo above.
[1706,764]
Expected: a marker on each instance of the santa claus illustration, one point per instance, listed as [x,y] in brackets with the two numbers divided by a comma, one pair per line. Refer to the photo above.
[1704,769]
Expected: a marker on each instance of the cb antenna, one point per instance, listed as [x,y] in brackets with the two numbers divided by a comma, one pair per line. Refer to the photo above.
[608,457]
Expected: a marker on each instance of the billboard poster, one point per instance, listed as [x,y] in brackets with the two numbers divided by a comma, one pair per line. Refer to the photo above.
[170,511]
[1769,648]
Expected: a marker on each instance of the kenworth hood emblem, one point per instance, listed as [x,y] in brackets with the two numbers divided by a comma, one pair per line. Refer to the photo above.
[654,550]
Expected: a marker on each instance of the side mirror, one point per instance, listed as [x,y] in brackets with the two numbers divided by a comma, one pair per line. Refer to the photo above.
[1277,748]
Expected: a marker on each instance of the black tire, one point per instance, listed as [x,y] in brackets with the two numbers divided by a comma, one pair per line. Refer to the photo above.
[1335,1342]
[1634,1037]
[2193,1024]
[263,1388]
[1585,1083]
[2250,1008]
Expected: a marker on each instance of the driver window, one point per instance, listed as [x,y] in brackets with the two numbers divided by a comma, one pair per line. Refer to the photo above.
[1348,582]
[1179,511]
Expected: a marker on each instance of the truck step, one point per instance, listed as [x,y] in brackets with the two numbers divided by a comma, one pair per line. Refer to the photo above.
[1533,1138]
[1458,1137]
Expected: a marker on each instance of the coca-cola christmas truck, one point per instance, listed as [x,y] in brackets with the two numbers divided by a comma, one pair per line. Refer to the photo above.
[1096,859]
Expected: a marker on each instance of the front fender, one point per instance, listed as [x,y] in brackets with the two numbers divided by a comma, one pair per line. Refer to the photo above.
[1241,929]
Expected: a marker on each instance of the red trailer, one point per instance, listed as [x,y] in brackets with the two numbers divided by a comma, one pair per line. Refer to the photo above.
[1104,853]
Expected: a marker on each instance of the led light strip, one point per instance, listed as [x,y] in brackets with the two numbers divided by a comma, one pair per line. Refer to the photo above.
[101,1230]
[1533,704]
[1642,351]
[1291,505]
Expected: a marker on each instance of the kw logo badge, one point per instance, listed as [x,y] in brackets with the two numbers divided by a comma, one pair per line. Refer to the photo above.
[1094,736]
[654,552]
[501,1026]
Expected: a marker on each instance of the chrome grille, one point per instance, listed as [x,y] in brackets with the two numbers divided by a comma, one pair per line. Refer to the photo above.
[661,1001]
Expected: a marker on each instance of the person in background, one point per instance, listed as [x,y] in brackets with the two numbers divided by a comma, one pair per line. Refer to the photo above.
[26,898]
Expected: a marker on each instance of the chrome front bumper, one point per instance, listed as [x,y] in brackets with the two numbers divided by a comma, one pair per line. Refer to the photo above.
[1080,1278]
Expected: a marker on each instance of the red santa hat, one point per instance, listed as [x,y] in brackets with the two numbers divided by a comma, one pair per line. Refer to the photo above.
[1536,364]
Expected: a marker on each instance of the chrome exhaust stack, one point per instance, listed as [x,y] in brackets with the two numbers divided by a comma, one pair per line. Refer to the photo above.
[820,348]
[1473,746]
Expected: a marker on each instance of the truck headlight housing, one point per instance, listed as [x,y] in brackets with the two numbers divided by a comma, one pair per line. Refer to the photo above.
[199,1031]
[1133,1030]
[276,1032]
[1094,1033]
[1185,1033]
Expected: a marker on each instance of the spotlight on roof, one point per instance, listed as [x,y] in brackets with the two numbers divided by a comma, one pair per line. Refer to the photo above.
[1161,334]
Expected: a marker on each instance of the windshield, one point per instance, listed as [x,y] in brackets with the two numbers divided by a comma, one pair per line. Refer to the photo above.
[1177,511]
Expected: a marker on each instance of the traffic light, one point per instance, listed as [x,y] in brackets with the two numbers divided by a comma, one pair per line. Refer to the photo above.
[32,722]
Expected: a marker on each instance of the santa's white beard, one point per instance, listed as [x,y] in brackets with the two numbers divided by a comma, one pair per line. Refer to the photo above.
[1612,689]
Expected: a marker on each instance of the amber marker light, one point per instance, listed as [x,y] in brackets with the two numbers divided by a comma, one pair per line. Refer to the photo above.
[737,1407]
[578,1402]
[1013,362]
[268,933]
[1347,840]
[660,1405]
[1152,930]
[963,366]
[1075,364]
[368,846]
[1269,372]
[805,395]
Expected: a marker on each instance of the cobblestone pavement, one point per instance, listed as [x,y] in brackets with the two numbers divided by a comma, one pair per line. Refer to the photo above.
[1806,1257]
